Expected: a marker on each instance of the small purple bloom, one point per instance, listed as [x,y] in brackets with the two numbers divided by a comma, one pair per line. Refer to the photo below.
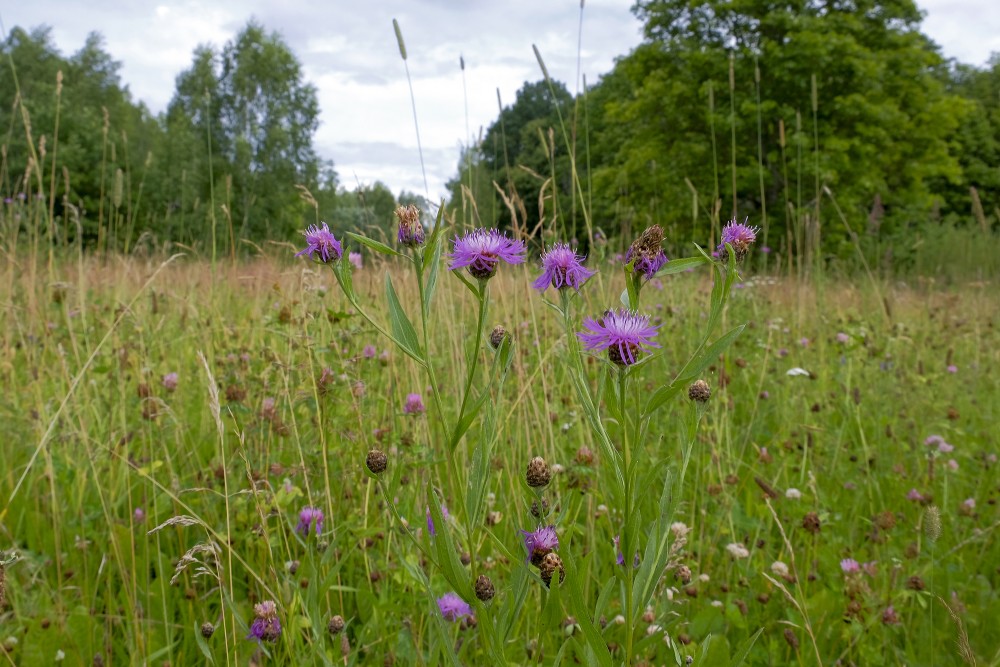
[765,249]
[411,232]
[623,333]
[542,540]
[430,520]
[453,607]
[562,267]
[620,557]
[804,342]
[320,240]
[645,264]
[414,405]
[481,250]
[368,352]
[139,515]
[914,495]
[170,381]
[952,368]
[307,517]
[740,236]
[843,338]
[850,566]
[266,626]
[355,259]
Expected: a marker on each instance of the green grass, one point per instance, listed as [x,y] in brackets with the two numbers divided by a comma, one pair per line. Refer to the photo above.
[97,438]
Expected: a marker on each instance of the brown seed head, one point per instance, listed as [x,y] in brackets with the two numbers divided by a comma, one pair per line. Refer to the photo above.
[207,630]
[498,336]
[549,566]
[336,625]
[538,474]
[484,588]
[699,391]
[811,522]
[377,461]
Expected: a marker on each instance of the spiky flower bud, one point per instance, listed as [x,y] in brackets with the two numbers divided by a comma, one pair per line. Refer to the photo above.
[336,625]
[932,523]
[549,566]
[484,588]
[498,336]
[540,510]
[538,474]
[377,461]
[699,391]
[207,630]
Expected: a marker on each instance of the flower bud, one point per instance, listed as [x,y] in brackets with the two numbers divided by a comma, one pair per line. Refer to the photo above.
[377,461]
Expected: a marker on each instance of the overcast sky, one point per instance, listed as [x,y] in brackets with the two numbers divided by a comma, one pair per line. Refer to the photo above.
[348,50]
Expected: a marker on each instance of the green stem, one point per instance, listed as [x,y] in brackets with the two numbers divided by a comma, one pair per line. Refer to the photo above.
[483,296]
[626,537]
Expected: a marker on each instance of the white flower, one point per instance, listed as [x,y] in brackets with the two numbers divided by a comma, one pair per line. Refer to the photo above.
[793,494]
[779,568]
[60,656]
[619,620]
[556,469]
[653,629]
[716,603]
[798,371]
[703,578]
[737,550]
[679,529]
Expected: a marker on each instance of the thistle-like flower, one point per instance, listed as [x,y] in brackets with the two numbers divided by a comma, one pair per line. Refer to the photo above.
[647,252]
[623,333]
[414,405]
[265,627]
[308,517]
[481,250]
[453,607]
[411,232]
[321,241]
[740,236]
[540,542]
[562,267]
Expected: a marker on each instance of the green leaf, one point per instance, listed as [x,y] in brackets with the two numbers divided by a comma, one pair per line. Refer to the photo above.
[434,262]
[696,366]
[403,333]
[579,610]
[743,651]
[434,242]
[681,265]
[447,556]
[377,246]
[467,419]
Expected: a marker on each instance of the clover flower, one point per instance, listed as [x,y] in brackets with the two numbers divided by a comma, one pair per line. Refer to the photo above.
[481,250]
[414,405]
[320,240]
[623,333]
[562,267]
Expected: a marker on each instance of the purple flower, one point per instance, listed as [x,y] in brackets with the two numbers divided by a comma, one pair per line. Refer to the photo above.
[170,381]
[952,368]
[414,405]
[804,342]
[647,264]
[430,519]
[623,333]
[411,232]
[914,495]
[453,607]
[766,250]
[368,352]
[562,267]
[540,542]
[620,557]
[740,236]
[355,259]
[265,627]
[139,515]
[843,338]
[850,566]
[482,249]
[320,240]
[307,517]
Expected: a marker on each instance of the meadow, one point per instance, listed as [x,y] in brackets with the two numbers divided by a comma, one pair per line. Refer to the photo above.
[186,439]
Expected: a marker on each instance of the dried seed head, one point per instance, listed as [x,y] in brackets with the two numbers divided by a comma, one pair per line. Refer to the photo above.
[683,574]
[549,566]
[377,461]
[498,336]
[791,639]
[484,588]
[699,391]
[207,630]
[538,474]
[811,522]
[540,509]
[336,625]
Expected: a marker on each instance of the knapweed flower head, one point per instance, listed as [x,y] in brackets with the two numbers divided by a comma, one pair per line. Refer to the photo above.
[265,627]
[481,250]
[369,352]
[453,607]
[623,333]
[562,267]
[414,405]
[740,236]
[310,516]
[411,232]
[170,381]
[355,259]
[647,253]
[321,241]
[850,566]
[540,542]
